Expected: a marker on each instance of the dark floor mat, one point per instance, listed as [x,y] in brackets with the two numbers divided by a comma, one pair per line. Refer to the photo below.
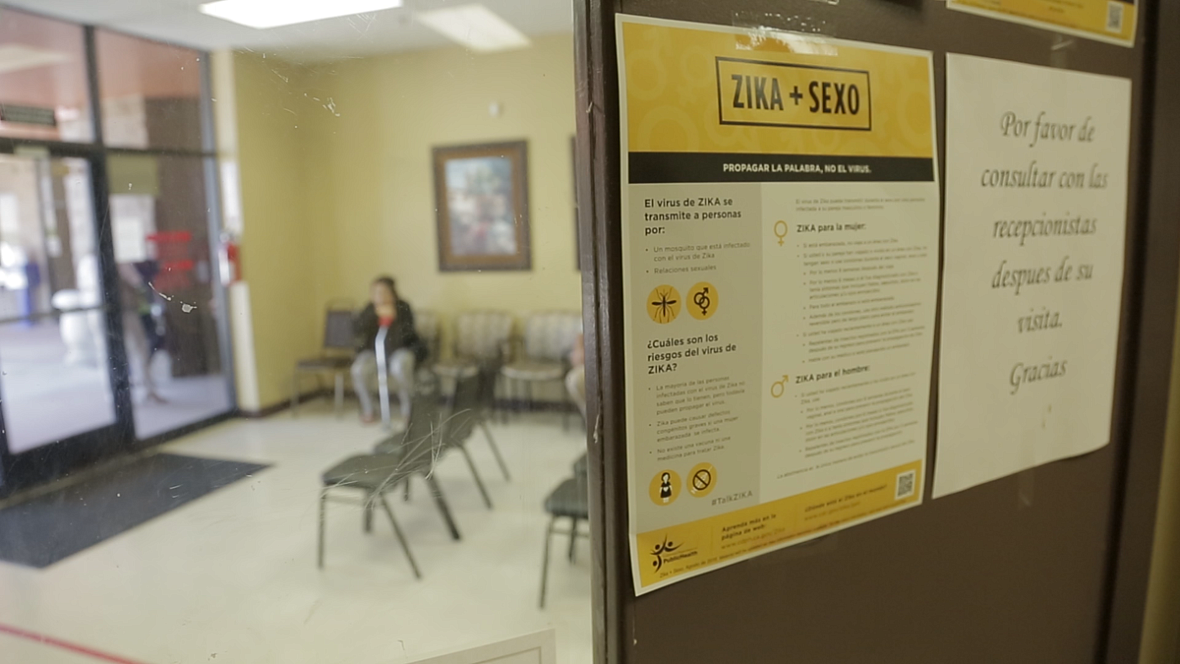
[41,531]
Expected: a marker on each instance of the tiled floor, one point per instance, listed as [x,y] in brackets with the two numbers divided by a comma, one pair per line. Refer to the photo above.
[232,577]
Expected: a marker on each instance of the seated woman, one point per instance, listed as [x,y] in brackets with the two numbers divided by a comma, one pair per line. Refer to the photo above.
[403,348]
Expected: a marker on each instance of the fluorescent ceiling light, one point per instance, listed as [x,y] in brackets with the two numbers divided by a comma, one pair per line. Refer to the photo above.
[273,13]
[475,27]
[16,57]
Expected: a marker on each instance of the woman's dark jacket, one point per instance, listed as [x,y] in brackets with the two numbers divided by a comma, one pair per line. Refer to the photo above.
[402,333]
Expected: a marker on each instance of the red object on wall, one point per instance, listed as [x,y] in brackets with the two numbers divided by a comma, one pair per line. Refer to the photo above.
[174,254]
[230,260]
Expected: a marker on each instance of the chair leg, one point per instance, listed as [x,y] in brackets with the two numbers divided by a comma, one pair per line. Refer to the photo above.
[401,538]
[505,398]
[483,424]
[545,559]
[573,536]
[339,394]
[320,538]
[436,491]
[487,500]
[368,513]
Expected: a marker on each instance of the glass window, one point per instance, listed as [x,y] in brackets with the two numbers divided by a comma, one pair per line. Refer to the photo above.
[54,379]
[161,239]
[151,93]
[43,91]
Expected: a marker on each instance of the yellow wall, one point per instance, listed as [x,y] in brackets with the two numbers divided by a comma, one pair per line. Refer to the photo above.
[337,187]
[370,180]
[276,246]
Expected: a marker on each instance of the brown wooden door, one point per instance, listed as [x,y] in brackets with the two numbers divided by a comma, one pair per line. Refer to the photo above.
[1044,567]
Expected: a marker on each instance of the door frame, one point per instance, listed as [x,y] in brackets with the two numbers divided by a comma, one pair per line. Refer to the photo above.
[1154,332]
[57,459]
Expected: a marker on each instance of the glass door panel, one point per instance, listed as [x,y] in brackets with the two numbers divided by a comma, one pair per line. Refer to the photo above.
[55,380]
[161,237]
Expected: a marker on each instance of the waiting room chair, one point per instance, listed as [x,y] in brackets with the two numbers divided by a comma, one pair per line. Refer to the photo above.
[335,356]
[461,418]
[485,404]
[428,327]
[548,338]
[570,500]
[481,340]
[413,451]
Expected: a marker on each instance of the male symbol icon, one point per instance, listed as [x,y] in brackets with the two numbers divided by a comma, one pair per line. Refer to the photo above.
[702,301]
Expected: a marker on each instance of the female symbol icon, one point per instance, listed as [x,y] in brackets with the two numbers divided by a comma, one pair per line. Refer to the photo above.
[780,231]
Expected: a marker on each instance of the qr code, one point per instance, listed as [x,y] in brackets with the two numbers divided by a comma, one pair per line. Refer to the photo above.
[905,484]
[1114,16]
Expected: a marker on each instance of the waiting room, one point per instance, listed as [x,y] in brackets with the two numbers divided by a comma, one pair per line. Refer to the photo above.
[290,332]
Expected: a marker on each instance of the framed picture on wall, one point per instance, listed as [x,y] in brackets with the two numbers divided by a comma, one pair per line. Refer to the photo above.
[481,198]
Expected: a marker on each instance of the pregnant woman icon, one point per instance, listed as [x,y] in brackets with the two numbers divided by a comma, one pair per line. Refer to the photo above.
[665,487]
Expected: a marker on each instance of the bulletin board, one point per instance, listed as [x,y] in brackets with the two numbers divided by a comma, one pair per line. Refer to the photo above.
[1048,565]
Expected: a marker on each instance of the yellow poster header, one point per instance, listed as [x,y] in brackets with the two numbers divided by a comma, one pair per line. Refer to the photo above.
[754,92]
[776,94]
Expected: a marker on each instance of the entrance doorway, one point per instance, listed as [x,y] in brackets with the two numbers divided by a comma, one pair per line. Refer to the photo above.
[111,335]
[56,377]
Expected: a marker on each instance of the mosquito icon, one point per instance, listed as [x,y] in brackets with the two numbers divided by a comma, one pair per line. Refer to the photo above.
[664,304]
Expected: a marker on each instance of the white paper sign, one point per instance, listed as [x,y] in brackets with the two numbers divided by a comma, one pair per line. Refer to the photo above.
[536,648]
[1036,204]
